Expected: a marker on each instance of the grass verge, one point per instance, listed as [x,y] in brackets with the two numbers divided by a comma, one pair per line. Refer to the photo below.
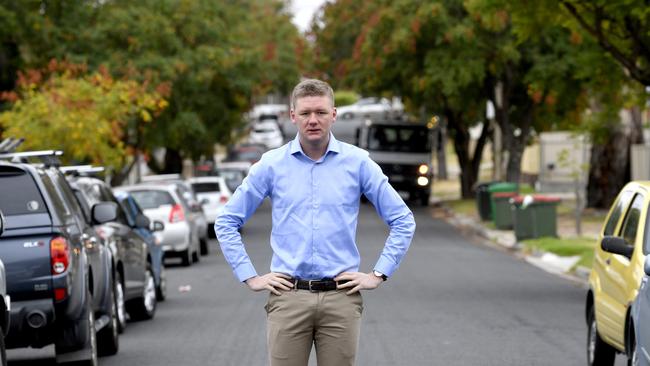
[584,247]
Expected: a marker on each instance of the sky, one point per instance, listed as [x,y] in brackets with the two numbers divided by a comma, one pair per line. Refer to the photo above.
[303,11]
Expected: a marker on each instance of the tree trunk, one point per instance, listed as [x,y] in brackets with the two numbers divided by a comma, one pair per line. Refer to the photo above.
[609,170]
[173,162]
[609,167]
[441,152]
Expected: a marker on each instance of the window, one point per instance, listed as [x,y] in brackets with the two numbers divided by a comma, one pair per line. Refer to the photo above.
[631,223]
[413,139]
[152,199]
[621,204]
[19,193]
[205,187]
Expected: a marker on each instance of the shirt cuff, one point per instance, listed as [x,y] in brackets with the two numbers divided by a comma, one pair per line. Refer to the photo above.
[385,266]
[245,271]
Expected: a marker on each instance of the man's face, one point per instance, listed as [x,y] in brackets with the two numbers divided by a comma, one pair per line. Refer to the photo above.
[313,116]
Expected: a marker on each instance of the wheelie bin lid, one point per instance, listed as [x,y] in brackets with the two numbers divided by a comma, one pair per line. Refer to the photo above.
[502,187]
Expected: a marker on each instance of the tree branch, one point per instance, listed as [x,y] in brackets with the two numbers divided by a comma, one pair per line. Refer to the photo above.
[595,30]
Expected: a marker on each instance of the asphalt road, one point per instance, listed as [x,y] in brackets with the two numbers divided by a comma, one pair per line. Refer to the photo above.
[454,301]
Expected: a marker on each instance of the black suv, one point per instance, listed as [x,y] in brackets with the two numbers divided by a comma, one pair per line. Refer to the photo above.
[58,273]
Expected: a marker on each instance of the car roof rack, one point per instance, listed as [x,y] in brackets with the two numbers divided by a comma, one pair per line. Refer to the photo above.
[10,144]
[81,170]
[47,157]
[160,178]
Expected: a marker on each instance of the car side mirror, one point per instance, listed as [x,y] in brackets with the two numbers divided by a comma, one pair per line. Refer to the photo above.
[104,212]
[617,245]
[646,265]
[204,201]
[142,221]
[157,226]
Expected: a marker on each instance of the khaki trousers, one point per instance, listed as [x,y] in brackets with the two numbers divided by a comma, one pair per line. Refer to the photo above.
[298,318]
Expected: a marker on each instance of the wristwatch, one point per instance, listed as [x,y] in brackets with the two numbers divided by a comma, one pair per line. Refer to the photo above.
[379,274]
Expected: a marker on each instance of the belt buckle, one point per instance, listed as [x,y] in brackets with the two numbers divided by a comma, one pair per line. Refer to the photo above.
[310,289]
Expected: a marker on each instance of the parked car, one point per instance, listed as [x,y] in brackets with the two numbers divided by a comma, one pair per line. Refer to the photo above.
[50,256]
[370,107]
[268,133]
[245,152]
[5,305]
[213,193]
[165,202]
[134,278]
[233,173]
[197,216]
[134,214]
[616,275]
[640,317]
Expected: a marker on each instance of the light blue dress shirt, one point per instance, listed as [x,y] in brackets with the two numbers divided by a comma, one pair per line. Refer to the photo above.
[315,205]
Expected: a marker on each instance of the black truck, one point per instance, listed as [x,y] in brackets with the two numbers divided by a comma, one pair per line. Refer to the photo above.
[403,151]
[58,275]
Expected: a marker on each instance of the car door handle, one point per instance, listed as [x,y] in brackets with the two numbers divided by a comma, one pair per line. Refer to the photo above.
[608,261]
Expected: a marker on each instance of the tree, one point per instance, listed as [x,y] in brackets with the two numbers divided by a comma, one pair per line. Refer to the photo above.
[213,56]
[83,114]
[610,45]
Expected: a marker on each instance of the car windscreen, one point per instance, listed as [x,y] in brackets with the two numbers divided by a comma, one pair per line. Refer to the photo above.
[152,199]
[399,139]
[205,187]
[19,194]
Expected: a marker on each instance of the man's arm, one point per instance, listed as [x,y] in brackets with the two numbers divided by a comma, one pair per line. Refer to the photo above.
[237,211]
[396,214]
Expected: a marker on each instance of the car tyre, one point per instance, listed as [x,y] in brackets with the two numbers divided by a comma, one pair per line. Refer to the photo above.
[91,341]
[144,307]
[186,257]
[119,303]
[161,288]
[599,353]
[3,351]
[205,249]
[108,338]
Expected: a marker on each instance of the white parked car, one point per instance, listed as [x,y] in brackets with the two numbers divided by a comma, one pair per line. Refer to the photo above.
[266,132]
[213,193]
[166,202]
[367,108]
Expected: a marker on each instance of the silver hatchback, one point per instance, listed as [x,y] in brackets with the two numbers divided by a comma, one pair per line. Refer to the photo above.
[165,202]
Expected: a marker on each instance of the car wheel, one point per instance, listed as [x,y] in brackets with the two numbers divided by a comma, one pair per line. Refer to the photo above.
[119,303]
[144,307]
[107,338]
[186,257]
[87,356]
[205,249]
[424,199]
[161,289]
[599,353]
[347,115]
[634,356]
[3,351]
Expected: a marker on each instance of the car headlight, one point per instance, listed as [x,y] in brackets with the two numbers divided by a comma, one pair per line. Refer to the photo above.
[423,181]
[423,169]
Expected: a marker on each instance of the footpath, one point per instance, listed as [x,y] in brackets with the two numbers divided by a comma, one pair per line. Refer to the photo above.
[471,225]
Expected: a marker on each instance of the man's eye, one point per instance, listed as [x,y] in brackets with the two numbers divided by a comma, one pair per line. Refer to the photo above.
[322,113]
[304,114]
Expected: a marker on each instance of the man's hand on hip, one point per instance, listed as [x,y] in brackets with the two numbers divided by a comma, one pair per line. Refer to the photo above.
[358,281]
[270,281]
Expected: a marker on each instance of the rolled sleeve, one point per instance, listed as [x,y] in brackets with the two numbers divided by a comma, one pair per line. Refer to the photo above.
[395,213]
[237,211]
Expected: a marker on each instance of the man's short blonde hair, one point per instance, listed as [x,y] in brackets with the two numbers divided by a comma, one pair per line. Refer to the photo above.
[311,88]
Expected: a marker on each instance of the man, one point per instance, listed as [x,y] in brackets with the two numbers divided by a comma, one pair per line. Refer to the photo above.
[315,183]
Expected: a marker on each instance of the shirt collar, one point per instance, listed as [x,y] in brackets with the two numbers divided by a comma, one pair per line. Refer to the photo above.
[333,145]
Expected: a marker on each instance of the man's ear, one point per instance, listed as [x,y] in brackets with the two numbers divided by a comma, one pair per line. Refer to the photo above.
[292,115]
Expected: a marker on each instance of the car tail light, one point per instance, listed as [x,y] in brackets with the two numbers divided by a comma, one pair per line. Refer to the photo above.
[223,199]
[59,255]
[176,214]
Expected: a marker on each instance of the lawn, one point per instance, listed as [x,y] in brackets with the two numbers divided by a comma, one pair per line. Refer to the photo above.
[583,247]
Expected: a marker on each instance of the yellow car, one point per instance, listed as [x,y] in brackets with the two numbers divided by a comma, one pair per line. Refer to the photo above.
[616,274]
